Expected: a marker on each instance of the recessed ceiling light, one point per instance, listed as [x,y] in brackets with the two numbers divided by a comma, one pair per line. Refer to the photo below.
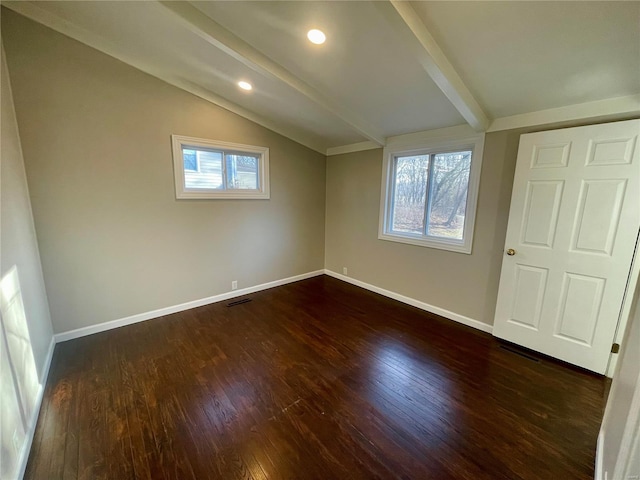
[316,36]
[245,85]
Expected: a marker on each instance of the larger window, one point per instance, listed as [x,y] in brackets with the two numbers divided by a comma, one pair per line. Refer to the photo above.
[212,169]
[429,193]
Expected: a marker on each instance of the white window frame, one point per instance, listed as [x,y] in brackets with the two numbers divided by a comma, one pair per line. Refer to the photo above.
[180,141]
[474,143]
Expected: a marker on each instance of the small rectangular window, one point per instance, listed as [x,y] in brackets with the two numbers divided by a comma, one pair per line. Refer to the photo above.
[430,192]
[212,169]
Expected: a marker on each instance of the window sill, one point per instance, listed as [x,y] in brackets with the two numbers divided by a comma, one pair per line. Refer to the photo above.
[457,247]
[229,195]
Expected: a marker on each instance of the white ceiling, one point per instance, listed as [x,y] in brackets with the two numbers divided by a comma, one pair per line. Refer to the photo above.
[363,64]
[385,70]
[519,57]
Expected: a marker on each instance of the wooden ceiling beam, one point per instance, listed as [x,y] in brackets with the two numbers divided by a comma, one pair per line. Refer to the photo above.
[234,46]
[38,14]
[406,20]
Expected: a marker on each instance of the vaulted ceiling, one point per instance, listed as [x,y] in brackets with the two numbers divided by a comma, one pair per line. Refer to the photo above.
[386,69]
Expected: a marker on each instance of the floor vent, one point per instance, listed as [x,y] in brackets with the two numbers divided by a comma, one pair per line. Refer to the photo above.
[517,351]
[238,302]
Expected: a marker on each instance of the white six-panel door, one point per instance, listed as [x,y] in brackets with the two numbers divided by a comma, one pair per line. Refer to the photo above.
[573,225]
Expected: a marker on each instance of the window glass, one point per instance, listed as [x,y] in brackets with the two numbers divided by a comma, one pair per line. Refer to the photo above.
[409,195]
[430,192]
[242,171]
[448,192]
[208,171]
[212,169]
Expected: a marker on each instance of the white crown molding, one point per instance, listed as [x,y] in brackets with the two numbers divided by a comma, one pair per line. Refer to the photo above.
[609,109]
[40,15]
[470,322]
[401,14]
[434,61]
[221,38]
[353,147]
[438,134]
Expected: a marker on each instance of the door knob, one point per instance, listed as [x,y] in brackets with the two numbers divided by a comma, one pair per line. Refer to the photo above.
[511,252]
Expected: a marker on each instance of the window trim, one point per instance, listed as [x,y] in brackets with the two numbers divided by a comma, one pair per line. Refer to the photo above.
[180,141]
[475,143]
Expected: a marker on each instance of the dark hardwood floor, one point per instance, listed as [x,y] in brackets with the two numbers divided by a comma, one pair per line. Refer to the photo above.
[316,379]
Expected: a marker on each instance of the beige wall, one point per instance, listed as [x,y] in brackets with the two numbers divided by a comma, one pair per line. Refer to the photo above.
[113,238]
[115,242]
[463,284]
[25,324]
[19,247]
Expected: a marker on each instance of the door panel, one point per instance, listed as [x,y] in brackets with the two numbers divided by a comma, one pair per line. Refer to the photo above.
[579,306]
[573,223]
[545,156]
[598,213]
[541,213]
[529,289]
[611,152]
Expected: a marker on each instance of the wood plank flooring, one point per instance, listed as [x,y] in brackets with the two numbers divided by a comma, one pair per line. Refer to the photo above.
[313,380]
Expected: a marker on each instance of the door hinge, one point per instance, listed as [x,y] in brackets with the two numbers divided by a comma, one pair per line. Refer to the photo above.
[615,348]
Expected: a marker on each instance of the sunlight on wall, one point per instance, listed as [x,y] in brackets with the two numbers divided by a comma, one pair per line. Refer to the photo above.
[18,374]
[14,322]
[12,431]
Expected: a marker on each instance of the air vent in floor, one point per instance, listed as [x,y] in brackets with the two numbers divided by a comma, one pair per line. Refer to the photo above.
[517,351]
[238,302]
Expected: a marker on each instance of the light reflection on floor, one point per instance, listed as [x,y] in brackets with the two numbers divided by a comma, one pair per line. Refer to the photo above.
[402,368]
[405,379]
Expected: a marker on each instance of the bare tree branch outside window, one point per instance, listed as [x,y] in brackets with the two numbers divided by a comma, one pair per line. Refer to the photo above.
[430,194]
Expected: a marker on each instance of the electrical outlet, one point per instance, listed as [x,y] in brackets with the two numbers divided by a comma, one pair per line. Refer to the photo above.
[234,285]
[344,271]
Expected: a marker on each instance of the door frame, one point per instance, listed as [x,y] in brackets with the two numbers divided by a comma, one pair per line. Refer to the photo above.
[625,308]
[630,435]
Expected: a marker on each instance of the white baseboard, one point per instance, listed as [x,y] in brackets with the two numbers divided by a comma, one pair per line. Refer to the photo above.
[141,317]
[26,446]
[470,322]
[598,473]
[81,332]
